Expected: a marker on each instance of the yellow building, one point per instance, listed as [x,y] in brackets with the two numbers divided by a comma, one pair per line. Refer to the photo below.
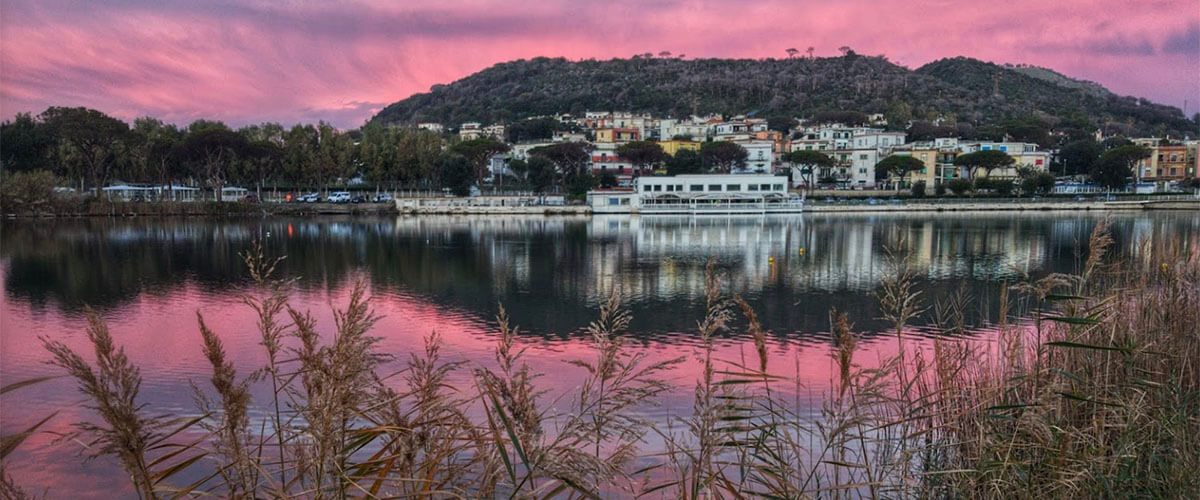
[675,145]
[617,135]
[939,166]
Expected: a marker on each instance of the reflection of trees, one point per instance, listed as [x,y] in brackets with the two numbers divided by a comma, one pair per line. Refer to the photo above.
[550,272]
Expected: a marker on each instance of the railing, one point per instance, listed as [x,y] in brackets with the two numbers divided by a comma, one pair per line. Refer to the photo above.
[752,207]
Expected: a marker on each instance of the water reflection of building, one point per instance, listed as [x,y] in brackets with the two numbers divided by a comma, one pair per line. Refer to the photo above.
[477,262]
[805,254]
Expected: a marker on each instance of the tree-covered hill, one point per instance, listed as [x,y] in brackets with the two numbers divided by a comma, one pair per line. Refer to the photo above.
[959,89]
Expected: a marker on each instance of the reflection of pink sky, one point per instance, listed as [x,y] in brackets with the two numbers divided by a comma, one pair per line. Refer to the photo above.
[246,61]
[159,334]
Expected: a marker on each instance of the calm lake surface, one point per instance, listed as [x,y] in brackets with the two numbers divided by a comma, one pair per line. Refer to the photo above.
[149,278]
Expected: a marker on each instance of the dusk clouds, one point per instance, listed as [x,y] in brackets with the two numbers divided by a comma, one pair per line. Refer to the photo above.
[300,60]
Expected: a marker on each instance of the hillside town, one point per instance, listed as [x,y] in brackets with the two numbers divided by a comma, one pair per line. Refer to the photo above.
[855,151]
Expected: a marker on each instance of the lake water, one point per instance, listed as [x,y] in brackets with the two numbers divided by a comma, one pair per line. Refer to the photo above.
[149,277]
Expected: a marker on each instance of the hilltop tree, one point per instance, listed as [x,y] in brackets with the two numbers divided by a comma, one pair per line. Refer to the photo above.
[809,162]
[96,139]
[1027,130]
[842,117]
[899,166]
[898,114]
[644,155]
[531,130]
[723,156]
[791,52]
[782,123]
[988,160]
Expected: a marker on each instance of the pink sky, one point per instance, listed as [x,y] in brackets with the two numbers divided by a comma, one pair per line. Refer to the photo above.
[301,60]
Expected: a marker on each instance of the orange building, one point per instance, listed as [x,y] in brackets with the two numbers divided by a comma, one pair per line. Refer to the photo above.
[617,135]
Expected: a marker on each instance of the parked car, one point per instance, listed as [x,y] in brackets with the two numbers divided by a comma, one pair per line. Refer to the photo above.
[1080,198]
[250,198]
[358,198]
[382,198]
[308,198]
[339,197]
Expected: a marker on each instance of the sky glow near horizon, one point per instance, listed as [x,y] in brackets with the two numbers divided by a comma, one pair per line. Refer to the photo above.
[303,61]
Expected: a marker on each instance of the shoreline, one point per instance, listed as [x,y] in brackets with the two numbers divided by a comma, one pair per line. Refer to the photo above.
[280,209]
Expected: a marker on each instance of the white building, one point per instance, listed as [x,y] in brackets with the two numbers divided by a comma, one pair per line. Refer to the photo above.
[430,126]
[745,126]
[606,160]
[495,131]
[699,194]
[671,128]
[862,167]
[879,140]
[760,155]
[470,130]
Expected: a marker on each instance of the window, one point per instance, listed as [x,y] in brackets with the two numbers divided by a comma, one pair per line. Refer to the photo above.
[764,187]
[679,187]
[696,187]
[753,187]
[614,201]
[658,187]
[647,188]
[778,187]
[862,157]
[624,201]
[714,187]
[670,187]
[862,171]
[733,187]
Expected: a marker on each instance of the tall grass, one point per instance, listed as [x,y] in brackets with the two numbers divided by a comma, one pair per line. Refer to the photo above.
[1096,395]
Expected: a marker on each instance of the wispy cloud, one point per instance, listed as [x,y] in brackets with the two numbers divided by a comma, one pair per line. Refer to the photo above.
[302,60]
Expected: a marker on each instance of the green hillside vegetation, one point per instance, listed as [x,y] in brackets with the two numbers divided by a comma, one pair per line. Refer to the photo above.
[956,90]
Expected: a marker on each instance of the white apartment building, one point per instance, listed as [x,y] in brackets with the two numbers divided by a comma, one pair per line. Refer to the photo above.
[879,140]
[669,128]
[430,126]
[470,130]
[760,155]
[745,126]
